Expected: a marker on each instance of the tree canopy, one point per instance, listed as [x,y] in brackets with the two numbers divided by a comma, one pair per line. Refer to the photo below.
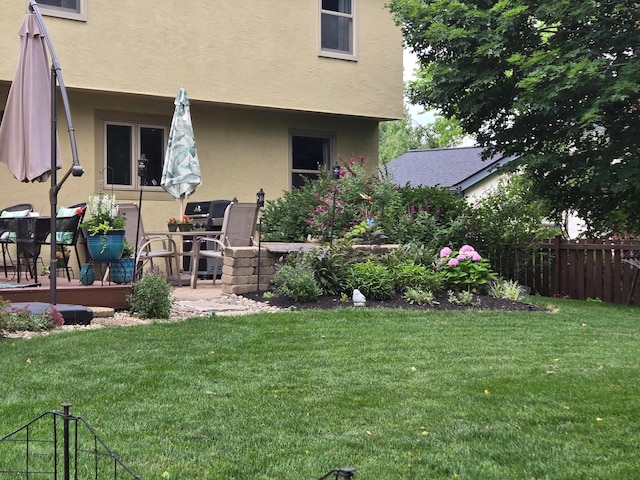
[555,83]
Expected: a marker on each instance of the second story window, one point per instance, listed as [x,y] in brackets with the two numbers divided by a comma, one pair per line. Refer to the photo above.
[338,29]
[73,9]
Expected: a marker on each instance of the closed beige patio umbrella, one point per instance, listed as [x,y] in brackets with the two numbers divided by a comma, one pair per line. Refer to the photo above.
[25,131]
[28,139]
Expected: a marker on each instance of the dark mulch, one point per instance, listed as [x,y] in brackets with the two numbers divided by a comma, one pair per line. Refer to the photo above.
[328,302]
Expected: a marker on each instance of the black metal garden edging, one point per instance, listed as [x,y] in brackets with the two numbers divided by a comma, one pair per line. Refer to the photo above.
[60,449]
[59,445]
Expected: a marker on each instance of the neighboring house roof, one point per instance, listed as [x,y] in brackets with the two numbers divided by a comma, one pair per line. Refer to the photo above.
[459,168]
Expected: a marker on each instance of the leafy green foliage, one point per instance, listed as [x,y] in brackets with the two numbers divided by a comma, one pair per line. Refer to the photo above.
[508,215]
[150,296]
[554,84]
[372,279]
[463,297]
[409,275]
[508,289]
[420,297]
[330,266]
[296,281]
[417,253]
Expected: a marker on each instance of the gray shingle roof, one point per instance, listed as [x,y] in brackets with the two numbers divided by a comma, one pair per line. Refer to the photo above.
[444,167]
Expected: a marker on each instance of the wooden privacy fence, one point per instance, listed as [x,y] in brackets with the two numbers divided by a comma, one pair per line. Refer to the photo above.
[577,269]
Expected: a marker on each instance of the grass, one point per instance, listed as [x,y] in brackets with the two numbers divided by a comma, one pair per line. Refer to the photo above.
[396,394]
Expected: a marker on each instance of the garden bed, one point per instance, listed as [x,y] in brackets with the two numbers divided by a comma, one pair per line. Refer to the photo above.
[327,302]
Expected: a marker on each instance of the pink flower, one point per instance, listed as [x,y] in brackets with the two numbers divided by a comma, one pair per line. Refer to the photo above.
[475,256]
[445,252]
[453,262]
[461,256]
[466,248]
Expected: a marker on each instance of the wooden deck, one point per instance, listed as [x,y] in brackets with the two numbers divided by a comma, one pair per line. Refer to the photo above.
[69,292]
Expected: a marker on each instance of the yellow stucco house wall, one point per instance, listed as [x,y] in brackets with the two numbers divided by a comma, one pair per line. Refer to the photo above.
[259,74]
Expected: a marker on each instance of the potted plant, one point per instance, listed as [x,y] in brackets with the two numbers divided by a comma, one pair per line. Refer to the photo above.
[105,228]
[121,271]
[185,224]
[172,224]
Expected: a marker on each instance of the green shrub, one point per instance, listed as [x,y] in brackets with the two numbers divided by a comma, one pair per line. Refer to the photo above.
[286,218]
[507,289]
[409,275]
[296,282]
[420,297]
[330,266]
[150,296]
[463,298]
[417,253]
[373,280]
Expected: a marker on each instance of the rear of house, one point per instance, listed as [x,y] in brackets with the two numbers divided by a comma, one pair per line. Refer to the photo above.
[275,89]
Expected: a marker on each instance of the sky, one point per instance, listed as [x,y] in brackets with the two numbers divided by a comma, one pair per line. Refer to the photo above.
[410,64]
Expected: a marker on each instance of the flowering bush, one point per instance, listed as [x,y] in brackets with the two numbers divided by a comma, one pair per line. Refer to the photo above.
[361,199]
[14,319]
[464,269]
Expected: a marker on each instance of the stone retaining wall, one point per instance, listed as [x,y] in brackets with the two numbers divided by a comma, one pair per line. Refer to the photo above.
[240,269]
[240,265]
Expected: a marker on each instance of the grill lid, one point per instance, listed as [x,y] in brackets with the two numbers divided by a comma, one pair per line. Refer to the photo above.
[197,209]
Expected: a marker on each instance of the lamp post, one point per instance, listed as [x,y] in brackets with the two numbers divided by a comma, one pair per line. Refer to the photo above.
[335,173]
[143,166]
[259,204]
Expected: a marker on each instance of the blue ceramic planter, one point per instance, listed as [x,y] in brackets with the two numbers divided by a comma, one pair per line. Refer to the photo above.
[121,271]
[87,274]
[107,247]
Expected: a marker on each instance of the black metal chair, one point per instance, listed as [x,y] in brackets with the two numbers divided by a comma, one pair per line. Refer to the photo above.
[8,230]
[68,234]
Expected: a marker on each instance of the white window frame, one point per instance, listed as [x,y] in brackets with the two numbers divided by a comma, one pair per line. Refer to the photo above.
[134,154]
[340,54]
[72,14]
[331,137]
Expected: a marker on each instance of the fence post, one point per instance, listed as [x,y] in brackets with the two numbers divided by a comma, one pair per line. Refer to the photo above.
[556,265]
[65,418]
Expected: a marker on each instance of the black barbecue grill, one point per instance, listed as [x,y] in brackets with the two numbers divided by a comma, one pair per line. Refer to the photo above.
[207,216]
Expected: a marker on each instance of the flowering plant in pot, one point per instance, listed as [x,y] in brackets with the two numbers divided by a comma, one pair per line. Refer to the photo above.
[105,226]
[172,223]
[185,224]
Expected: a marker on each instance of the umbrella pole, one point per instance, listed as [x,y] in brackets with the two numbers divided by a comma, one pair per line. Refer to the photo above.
[53,195]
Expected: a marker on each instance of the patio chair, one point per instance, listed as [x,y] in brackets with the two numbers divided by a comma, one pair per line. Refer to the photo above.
[68,234]
[150,248]
[7,230]
[238,227]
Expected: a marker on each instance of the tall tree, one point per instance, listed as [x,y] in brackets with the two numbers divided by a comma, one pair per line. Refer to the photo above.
[554,82]
[400,136]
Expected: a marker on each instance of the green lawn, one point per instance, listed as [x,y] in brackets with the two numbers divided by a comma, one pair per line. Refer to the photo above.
[396,394]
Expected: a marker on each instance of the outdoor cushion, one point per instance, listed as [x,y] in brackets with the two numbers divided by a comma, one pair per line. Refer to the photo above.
[65,237]
[11,236]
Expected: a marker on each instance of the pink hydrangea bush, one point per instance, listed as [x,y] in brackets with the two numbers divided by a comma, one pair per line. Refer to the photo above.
[464,269]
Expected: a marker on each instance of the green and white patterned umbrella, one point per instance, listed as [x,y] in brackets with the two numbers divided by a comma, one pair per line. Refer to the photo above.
[181,169]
